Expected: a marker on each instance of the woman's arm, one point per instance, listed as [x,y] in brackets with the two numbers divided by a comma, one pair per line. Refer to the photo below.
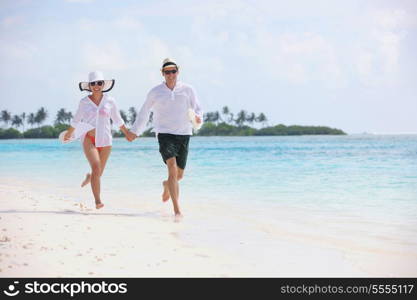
[118,121]
[68,134]
[74,122]
[130,136]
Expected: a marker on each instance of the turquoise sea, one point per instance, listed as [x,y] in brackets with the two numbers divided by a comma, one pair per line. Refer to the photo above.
[354,193]
[356,172]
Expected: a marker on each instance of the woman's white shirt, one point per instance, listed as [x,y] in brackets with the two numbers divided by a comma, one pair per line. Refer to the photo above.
[99,117]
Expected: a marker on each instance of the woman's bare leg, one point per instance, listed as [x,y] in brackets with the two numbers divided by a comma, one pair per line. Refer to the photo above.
[93,157]
[104,155]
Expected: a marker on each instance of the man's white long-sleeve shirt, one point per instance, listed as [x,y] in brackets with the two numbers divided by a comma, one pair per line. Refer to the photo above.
[170,110]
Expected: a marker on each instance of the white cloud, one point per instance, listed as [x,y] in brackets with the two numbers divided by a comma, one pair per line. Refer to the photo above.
[104,57]
[129,23]
[11,21]
[379,52]
[80,1]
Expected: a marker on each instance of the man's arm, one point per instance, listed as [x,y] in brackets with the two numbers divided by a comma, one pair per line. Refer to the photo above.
[195,105]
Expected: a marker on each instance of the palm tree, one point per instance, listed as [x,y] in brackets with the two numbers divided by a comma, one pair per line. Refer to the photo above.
[216,117]
[231,118]
[124,116]
[150,119]
[261,118]
[23,117]
[225,112]
[241,118]
[132,115]
[251,118]
[60,116]
[68,117]
[40,116]
[208,117]
[5,116]
[31,119]
[17,121]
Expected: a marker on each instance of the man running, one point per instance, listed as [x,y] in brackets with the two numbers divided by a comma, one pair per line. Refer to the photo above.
[170,102]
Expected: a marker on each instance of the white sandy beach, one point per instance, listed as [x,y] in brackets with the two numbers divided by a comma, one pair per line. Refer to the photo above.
[44,233]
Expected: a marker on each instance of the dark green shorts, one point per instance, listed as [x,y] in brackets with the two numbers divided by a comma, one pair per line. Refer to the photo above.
[173,145]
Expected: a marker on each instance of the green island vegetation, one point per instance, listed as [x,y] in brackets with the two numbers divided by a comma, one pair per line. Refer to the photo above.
[225,123]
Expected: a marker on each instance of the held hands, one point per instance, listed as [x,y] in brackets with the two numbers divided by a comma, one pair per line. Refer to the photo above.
[198,119]
[130,136]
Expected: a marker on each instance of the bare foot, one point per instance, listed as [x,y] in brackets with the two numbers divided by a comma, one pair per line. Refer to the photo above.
[86,180]
[99,205]
[178,217]
[165,194]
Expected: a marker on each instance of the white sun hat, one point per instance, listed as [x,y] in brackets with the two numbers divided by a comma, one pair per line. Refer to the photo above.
[168,62]
[96,76]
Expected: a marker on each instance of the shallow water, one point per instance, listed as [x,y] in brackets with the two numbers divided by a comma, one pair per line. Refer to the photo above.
[342,191]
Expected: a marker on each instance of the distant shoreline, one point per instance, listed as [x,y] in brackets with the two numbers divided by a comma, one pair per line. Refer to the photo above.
[224,123]
[208,129]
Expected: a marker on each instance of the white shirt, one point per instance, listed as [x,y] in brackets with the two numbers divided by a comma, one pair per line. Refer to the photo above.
[98,117]
[170,110]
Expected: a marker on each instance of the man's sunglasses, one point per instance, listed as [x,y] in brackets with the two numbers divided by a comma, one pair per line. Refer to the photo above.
[170,72]
[99,83]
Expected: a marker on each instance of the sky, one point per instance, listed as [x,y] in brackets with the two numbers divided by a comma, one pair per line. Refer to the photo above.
[345,64]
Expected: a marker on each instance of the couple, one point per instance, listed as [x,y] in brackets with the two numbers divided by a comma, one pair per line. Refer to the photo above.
[169,101]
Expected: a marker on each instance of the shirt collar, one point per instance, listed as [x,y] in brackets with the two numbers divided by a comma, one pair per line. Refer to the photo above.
[178,85]
[88,100]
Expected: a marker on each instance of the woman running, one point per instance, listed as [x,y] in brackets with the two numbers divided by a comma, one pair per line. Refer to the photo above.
[96,110]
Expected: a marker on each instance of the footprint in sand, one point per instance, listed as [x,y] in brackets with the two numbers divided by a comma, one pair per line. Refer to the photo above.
[201,255]
[5,239]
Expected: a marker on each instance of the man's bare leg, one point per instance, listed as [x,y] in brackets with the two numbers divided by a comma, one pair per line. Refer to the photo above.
[173,184]
[165,193]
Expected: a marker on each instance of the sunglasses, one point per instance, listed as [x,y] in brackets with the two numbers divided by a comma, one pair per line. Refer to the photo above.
[170,72]
[99,83]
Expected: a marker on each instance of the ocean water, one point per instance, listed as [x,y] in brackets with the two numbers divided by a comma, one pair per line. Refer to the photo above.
[358,188]
[326,172]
